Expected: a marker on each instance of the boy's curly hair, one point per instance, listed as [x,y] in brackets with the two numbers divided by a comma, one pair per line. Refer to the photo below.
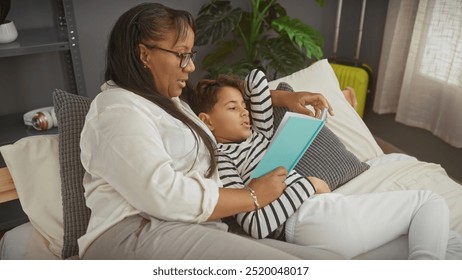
[205,95]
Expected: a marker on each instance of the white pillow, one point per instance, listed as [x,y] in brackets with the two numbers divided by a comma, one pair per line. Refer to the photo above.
[34,166]
[346,123]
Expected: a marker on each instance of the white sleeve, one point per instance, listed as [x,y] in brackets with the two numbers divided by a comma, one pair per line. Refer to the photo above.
[124,146]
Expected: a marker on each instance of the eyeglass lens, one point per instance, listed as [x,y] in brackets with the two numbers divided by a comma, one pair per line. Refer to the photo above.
[185,58]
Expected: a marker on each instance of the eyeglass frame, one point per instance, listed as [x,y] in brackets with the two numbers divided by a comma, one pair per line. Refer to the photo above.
[185,56]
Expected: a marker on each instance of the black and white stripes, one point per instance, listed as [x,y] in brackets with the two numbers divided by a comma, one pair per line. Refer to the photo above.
[236,161]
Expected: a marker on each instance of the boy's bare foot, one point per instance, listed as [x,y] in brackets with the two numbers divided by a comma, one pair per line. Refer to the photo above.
[350,96]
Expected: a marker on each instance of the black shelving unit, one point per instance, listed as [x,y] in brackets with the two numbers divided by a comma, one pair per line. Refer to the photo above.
[34,41]
[60,38]
[63,38]
[14,128]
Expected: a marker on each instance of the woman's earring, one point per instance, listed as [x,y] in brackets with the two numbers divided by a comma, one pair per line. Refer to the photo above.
[145,66]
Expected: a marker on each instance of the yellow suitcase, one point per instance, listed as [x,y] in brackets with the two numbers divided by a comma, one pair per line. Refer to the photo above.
[350,72]
[356,77]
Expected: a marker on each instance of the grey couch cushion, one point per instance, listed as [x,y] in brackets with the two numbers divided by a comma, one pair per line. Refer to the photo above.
[70,111]
[327,158]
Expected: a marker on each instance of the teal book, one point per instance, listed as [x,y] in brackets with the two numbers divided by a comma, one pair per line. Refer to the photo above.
[290,141]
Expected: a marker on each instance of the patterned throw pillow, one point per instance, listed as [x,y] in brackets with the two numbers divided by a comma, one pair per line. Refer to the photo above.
[70,111]
[327,158]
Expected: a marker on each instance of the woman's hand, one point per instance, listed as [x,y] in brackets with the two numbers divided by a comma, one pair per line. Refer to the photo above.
[267,188]
[319,185]
[297,102]
[270,186]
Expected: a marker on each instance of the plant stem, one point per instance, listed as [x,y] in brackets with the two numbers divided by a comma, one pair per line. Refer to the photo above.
[256,22]
[245,42]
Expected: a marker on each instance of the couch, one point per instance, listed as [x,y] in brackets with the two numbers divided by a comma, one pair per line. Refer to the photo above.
[52,195]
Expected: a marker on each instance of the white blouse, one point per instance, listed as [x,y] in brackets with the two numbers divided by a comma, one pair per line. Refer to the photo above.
[140,160]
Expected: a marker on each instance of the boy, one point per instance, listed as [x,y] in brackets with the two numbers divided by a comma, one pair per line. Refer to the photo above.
[240,147]
[348,225]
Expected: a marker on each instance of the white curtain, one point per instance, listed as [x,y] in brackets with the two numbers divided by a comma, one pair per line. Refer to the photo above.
[420,73]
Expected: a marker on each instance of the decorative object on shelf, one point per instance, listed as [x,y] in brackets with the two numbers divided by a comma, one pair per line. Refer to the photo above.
[264,37]
[8,32]
[41,119]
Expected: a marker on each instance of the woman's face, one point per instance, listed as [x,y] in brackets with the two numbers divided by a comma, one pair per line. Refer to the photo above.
[169,77]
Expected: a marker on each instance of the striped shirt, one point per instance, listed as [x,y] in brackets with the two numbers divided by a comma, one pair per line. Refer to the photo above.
[236,161]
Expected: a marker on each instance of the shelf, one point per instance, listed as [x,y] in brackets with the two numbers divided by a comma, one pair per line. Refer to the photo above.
[61,37]
[33,41]
[13,129]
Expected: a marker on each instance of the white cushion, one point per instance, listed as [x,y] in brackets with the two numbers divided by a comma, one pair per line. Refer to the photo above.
[346,124]
[24,242]
[34,166]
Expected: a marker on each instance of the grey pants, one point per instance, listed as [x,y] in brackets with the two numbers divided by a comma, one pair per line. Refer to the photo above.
[139,238]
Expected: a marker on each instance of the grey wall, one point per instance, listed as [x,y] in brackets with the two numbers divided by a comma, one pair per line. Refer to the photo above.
[95,18]
[94,30]
[324,20]
[26,82]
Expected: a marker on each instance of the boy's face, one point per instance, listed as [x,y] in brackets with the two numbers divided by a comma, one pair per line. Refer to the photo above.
[229,119]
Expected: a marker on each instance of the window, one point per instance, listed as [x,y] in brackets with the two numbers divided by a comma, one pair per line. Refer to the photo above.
[442,52]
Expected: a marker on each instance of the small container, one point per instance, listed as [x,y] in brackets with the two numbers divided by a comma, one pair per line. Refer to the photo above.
[8,32]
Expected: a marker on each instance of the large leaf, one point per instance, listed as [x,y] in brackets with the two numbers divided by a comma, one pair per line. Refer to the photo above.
[320,3]
[222,50]
[240,69]
[215,21]
[303,35]
[276,11]
[282,56]
[239,41]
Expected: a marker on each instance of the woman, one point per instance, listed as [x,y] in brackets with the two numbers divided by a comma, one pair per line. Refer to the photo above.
[151,180]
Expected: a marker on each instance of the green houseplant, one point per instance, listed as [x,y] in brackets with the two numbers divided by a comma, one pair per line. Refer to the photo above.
[264,37]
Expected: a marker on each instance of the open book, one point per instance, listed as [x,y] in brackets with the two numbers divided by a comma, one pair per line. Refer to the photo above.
[290,141]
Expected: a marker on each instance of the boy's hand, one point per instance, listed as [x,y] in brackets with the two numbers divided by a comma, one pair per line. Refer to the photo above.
[298,102]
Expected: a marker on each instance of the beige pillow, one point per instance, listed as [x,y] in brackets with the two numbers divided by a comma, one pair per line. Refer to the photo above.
[346,124]
[34,166]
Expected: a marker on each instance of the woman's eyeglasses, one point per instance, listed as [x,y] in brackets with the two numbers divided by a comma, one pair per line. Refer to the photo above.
[184,57]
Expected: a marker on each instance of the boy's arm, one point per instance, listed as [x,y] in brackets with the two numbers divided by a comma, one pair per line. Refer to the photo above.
[259,224]
[261,109]
[298,102]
